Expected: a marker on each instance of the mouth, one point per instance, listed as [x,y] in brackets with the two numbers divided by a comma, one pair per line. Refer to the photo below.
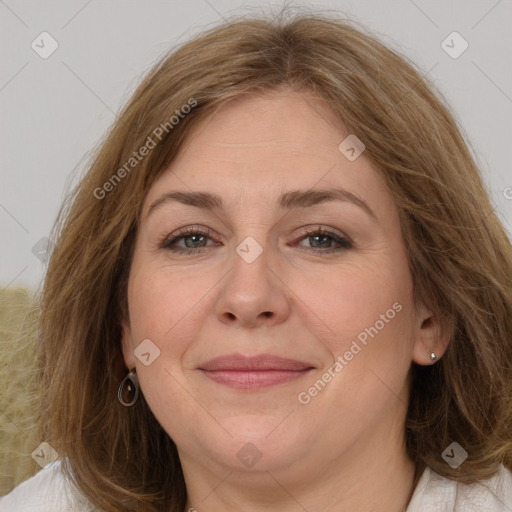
[254,373]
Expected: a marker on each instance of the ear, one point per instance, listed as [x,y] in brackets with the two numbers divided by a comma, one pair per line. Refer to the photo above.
[430,337]
[127,345]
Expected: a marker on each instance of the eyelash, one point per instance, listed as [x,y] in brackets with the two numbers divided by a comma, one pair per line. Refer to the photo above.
[167,243]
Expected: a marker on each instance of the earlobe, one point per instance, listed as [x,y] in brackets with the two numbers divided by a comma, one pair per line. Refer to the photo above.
[126,345]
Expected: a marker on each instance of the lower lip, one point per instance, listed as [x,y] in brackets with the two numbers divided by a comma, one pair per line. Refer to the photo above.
[254,380]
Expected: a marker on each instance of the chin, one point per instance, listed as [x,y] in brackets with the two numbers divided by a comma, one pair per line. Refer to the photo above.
[260,443]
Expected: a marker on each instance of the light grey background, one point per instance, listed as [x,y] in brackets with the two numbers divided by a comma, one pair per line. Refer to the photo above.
[54,111]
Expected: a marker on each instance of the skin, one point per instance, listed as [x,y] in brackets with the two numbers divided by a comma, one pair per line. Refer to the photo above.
[290,302]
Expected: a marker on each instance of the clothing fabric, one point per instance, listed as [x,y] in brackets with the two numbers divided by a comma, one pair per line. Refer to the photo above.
[435,493]
[49,491]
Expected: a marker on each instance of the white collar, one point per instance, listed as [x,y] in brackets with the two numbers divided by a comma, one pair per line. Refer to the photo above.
[435,493]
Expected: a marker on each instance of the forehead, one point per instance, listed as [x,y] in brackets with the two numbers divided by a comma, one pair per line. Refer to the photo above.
[259,147]
[276,122]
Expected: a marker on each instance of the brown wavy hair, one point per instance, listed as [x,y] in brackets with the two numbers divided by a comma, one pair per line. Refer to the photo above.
[460,257]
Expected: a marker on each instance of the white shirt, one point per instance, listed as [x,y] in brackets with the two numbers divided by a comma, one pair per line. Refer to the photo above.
[49,491]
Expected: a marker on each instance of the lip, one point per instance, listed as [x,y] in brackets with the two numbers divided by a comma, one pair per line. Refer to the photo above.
[253,373]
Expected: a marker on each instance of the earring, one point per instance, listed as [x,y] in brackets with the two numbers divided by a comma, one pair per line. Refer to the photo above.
[128,391]
[433,356]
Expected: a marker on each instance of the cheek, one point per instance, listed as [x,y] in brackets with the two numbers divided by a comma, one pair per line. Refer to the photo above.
[164,308]
[164,302]
[362,302]
[369,318]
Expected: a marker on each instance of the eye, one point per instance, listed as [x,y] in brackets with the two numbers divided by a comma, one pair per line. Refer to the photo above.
[321,240]
[195,240]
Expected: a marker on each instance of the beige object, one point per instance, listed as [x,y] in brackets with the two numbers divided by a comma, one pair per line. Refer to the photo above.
[18,401]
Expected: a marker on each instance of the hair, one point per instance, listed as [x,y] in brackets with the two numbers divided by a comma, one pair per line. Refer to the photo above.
[459,254]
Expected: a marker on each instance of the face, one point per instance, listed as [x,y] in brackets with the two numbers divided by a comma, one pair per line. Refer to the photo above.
[281,330]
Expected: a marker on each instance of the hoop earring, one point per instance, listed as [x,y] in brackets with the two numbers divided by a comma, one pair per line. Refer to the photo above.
[129,389]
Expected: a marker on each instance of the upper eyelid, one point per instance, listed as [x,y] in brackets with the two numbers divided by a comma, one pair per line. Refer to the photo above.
[312,228]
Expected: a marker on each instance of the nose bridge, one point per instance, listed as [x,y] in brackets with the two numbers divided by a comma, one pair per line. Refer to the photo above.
[251,265]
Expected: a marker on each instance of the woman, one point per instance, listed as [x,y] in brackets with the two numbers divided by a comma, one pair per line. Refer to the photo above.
[280,286]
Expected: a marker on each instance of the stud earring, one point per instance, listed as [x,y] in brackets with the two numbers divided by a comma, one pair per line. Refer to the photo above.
[128,391]
[433,356]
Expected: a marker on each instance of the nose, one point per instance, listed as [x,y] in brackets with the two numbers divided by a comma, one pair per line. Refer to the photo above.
[252,294]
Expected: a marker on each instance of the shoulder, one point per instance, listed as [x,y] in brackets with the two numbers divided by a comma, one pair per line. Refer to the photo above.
[435,492]
[47,491]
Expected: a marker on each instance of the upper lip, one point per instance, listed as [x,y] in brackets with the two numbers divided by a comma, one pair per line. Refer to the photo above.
[238,362]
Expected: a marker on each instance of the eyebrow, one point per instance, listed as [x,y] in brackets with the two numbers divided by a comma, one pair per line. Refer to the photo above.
[289,200]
